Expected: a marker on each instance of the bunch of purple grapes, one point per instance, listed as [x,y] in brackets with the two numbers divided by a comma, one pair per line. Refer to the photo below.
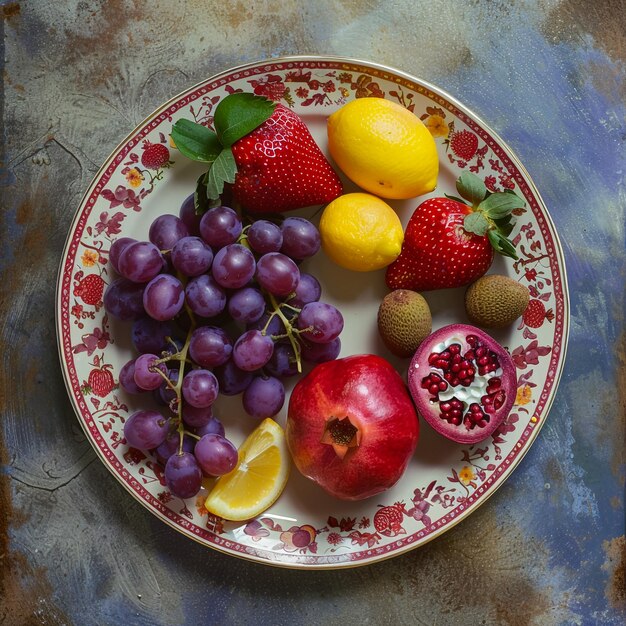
[216,307]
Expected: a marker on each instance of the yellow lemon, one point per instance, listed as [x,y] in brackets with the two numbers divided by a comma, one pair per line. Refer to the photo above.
[258,478]
[384,148]
[361,232]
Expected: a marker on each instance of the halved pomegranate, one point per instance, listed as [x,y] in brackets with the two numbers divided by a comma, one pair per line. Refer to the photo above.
[463,382]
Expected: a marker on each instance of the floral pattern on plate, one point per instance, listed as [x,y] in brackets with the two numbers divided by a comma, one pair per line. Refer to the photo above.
[146,174]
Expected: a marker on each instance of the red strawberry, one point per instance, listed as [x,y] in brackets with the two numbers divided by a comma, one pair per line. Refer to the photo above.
[265,150]
[448,243]
[155,155]
[101,381]
[280,167]
[464,144]
[536,313]
[90,289]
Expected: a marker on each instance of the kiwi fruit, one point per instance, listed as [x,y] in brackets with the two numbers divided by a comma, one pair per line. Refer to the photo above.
[404,321]
[495,301]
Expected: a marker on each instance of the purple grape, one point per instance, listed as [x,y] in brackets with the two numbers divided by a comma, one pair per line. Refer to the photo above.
[301,239]
[171,444]
[264,236]
[220,226]
[140,261]
[213,427]
[264,397]
[183,475]
[196,417]
[252,350]
[191,256]
[188,215]
[166,394]
[320,352]
[210,346]
[166,230]
[127,378]
[283,362]
[324,321]
[233,266]
[163,297]
[149,335]
[146,375]
[145,429]
[277,273]
[216,455]
[307,290]
[231,379]
[204,296]
[200,388]
[246,305]
[123,299]
[156,396]
[117,247]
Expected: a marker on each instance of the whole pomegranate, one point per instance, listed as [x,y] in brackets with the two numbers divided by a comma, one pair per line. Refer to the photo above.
[351,426]
[463,382]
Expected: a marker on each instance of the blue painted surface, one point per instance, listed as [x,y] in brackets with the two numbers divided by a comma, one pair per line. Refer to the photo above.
[548,548]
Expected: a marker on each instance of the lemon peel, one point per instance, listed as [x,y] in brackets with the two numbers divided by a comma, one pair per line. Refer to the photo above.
[257,480]
[361,232]
[384,148]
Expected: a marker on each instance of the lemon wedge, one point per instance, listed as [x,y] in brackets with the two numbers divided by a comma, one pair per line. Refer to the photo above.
[258,478]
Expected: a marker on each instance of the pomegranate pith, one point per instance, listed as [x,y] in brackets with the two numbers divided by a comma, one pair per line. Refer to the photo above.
[463,382]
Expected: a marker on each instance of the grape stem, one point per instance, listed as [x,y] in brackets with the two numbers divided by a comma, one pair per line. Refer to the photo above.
[181,357]
[291,331]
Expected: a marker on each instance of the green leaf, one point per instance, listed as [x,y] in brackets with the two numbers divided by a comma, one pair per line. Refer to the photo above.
[504,225]
[239,114]
[195,141]
[222,171]
[501,244]
[500,205]
[200,198]
[471,187]
[455,198]
[476,223]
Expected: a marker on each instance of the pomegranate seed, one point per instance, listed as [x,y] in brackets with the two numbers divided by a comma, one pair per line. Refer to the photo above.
[434,383]
[493,384]
[475,417]
[452,411]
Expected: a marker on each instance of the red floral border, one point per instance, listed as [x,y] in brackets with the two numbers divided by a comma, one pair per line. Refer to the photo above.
[143,494]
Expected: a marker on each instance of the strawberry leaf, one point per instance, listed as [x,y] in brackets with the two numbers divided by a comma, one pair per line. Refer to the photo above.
[501,244]
[239,114]
[455,198]
[471,187]
[504,225]
[476,223]
[500,205]
[222,171]
[200,198]
[195,141]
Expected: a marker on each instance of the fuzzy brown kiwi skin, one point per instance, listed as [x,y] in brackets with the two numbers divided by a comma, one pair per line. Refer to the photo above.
[495,301]
[404,321]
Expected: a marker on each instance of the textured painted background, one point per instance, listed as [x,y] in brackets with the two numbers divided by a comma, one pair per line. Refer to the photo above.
[549,76]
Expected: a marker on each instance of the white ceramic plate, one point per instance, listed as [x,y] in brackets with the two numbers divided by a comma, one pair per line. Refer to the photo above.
[305,528]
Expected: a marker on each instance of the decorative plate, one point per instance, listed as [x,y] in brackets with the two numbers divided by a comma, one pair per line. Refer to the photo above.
[305,528]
